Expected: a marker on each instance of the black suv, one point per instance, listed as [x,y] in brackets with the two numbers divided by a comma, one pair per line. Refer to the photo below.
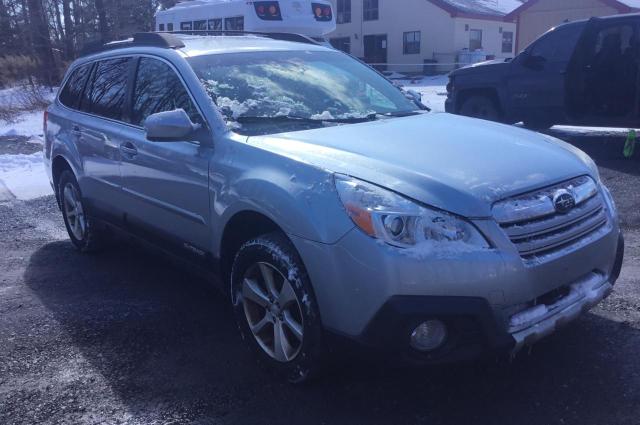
[580,73]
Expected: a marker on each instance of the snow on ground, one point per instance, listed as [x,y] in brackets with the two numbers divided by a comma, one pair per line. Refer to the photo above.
[27,123]
[433,90]
[23,176]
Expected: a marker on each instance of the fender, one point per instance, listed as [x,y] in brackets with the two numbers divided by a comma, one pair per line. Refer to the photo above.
[299,198]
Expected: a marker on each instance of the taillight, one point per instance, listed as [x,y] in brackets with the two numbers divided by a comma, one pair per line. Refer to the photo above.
[45,118]
[268,10]
[322,12]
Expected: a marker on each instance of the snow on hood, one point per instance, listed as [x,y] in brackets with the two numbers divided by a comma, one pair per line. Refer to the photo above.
[458,164]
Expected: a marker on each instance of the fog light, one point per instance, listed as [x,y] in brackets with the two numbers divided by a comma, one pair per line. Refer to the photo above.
[429,335]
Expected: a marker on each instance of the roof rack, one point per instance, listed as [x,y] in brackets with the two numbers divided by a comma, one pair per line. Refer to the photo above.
[148,39]
[282,36]
[168,40]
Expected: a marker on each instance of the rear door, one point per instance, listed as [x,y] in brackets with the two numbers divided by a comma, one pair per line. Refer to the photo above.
[166,183]
[605,77]
[99,129]
[537,82]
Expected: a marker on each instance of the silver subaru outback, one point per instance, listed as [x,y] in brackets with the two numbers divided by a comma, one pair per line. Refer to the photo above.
[330,205]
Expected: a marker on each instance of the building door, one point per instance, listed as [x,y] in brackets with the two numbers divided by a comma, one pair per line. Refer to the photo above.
[375,50]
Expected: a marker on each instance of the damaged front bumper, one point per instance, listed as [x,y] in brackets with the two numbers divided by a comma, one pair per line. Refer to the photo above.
[534,323]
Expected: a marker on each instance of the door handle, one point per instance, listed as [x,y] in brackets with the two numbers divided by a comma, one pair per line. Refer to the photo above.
[128,149]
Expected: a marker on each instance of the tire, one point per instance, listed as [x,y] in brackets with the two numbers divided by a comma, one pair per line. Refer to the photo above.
[279,320]
[482,107]
[81,229]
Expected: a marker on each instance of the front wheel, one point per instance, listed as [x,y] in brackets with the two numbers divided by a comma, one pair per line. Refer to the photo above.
[482,107]
[275,307]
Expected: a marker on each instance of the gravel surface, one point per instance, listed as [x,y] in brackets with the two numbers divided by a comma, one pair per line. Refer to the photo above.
[126,337]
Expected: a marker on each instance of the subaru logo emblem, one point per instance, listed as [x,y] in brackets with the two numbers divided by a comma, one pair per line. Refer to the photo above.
[563,201]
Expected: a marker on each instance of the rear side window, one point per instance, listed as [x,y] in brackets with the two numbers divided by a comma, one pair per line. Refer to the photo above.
[158,89]
[70,94]
[109,89]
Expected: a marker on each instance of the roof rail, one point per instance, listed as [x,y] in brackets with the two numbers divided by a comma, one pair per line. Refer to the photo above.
[148,39]
[283,36]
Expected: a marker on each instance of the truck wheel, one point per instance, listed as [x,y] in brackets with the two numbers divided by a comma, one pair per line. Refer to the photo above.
[82,232]
[482,107]
[276,309]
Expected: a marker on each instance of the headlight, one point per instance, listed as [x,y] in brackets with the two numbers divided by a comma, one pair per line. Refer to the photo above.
[398,221]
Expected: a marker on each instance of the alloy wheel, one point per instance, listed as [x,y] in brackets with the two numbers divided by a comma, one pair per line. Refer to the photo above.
[74,211]
[273,312]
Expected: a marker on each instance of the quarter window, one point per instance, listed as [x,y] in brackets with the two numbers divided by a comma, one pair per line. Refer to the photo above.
[412,42]
[234,24]
[108,90]
[370,10]
[158,89]
[344,11]
[70,94]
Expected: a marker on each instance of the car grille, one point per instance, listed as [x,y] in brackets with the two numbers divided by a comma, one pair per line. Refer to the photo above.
[537,230]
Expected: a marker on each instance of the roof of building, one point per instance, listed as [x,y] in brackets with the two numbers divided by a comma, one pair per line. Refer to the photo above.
[622,6]
[480,9]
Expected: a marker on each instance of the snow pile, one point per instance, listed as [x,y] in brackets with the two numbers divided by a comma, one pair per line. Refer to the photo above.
[24,175]
[486,7]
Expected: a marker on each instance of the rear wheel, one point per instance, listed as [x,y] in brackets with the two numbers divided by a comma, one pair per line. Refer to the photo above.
[482,107]
[82,232]
[276,309]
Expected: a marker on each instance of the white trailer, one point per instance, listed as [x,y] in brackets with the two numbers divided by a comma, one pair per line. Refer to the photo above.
[313,18]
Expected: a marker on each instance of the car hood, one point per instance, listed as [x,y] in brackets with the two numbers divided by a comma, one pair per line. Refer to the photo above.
[454,163]
[497,65]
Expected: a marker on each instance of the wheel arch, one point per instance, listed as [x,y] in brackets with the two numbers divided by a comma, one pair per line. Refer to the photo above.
[489,92]
[58,166]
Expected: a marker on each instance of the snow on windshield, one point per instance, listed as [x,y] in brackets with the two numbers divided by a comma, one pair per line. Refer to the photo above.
[310,85]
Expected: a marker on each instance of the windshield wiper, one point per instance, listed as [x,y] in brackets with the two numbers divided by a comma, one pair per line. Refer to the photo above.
[296,118]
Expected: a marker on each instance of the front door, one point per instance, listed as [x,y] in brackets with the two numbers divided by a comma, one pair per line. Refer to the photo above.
[605,76]
[166,182]
[375,50]
[537,81]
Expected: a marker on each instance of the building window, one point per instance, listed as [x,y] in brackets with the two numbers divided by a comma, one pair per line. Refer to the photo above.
[475,40]
[160,27]
[412,43]
[342,43]
[370,10]
[507,42]
[186,26]
[344,11]
[170,27]
[234,24]
[200,25]
[215,24]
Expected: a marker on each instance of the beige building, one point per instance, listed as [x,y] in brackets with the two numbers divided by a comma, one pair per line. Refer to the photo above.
[406,33]
[535,17]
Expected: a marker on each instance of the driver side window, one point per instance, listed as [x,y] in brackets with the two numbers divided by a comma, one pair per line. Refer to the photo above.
[158,89]
[558,45]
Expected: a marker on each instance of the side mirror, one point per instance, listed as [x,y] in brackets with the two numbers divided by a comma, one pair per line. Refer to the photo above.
[534,62]
[169,126]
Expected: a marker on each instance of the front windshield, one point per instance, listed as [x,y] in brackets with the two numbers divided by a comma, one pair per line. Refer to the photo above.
[268,92]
